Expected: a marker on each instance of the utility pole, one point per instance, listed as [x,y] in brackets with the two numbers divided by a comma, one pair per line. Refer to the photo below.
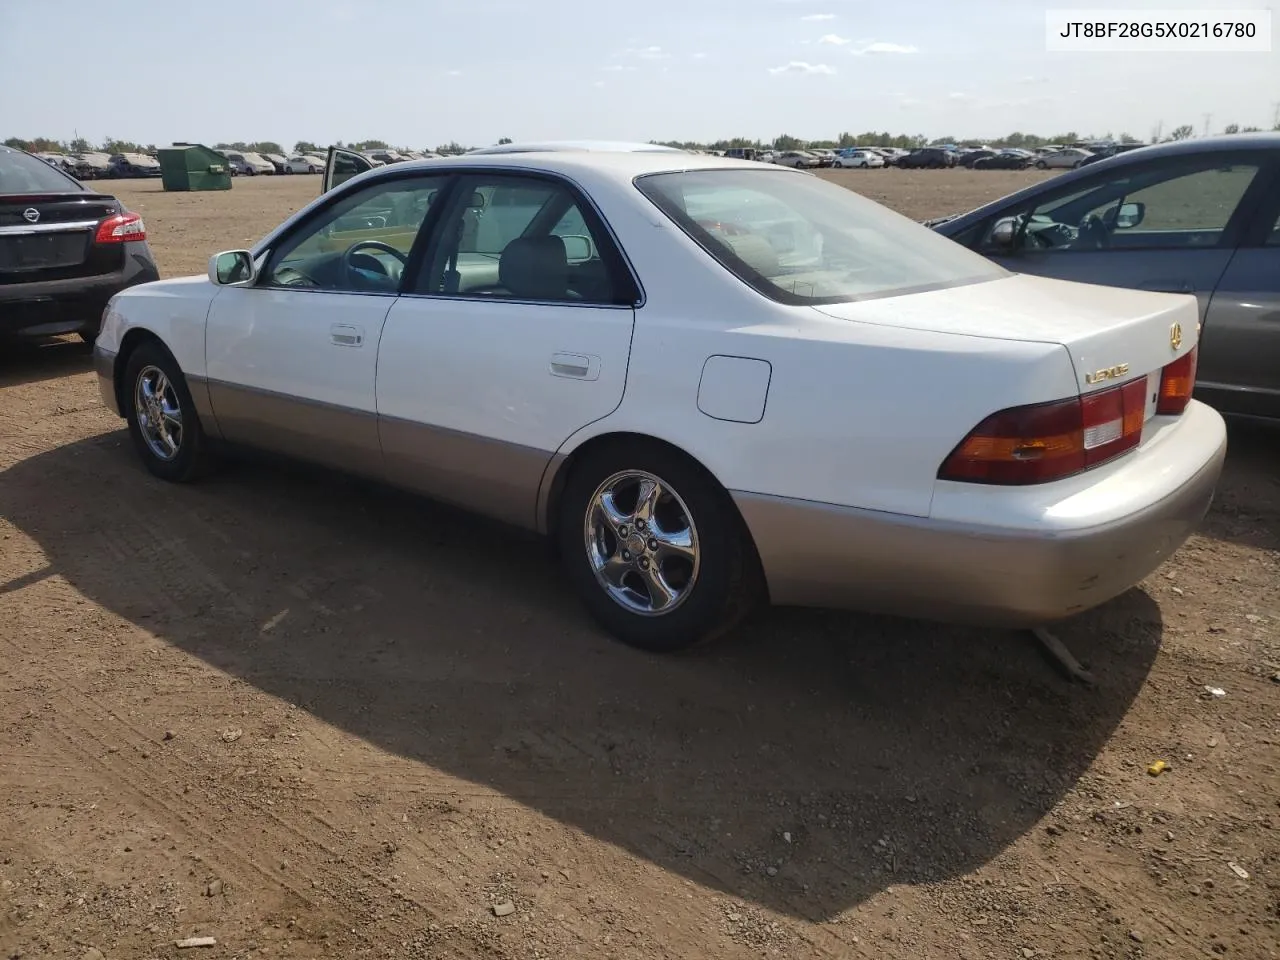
[1155,136]
[1207,118]
[1275,120]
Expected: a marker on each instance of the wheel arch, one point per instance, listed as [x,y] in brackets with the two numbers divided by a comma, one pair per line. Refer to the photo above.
[134,337]
[558,471]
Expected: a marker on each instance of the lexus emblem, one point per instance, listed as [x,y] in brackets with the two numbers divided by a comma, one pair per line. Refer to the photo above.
[31,214]
[1175,336]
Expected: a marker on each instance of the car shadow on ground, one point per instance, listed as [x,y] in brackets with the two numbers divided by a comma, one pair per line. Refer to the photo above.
[1247,503]
[805,764]
[30,361]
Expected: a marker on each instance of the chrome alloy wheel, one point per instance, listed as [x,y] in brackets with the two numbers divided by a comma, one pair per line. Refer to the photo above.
[641,543]
[159,414]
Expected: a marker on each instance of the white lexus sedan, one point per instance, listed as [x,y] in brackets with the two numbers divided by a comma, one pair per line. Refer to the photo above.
[712,381]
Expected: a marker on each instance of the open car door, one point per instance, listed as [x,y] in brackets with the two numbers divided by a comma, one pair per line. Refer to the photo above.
[341,166]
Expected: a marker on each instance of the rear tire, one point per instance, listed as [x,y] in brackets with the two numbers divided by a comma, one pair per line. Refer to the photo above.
[661,567]
[162,418]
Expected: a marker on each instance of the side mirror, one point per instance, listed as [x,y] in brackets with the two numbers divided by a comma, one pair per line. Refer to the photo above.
[1130,215]
[1004,233]
[231,268]
[577,248]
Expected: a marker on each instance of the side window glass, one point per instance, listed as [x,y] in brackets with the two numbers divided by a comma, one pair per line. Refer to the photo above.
[519,238]
[360,244]
[1187,206]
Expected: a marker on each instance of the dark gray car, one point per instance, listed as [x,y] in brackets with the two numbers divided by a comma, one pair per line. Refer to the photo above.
[1199,216]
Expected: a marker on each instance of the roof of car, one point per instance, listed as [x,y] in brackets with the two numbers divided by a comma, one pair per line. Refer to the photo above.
[575,146]
[620,164]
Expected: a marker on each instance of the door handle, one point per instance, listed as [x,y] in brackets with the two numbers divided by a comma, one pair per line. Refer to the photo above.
[346,335]
[575,365]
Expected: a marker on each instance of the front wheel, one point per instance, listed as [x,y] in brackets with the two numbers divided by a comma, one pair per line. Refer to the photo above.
[162,417]
[1041,165]
[654,547]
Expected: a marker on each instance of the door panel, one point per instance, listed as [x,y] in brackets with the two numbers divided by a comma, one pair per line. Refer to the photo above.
[471,408]
[292,371]
[1239,368]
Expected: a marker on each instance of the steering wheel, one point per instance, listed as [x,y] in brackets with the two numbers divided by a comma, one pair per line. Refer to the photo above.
[349,268]
[1092,234]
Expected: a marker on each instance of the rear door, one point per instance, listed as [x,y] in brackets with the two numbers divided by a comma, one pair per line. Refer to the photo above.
[1239,369]
[516,334]
[341,165]
[1167,225]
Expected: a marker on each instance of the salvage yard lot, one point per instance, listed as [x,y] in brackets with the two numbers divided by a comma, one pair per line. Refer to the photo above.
[311,718]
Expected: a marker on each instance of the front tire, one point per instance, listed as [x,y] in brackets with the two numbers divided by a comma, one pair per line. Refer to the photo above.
[162,417]
[654,547]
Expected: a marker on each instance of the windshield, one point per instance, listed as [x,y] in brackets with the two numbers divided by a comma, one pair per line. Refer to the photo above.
[798,239]
[22,173]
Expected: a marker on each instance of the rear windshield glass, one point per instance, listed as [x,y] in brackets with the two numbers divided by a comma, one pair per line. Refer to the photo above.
[22,173]
[798,239]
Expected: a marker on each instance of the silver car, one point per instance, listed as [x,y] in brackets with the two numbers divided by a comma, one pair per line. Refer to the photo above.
[1198,216]
[1067,159]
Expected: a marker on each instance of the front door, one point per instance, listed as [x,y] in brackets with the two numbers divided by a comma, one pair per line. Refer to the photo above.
[1239,369]
[341,165]
[516,335]
[1170,225]
[291,358]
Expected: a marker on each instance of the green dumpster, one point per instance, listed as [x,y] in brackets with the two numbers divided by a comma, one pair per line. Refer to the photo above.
[193,166]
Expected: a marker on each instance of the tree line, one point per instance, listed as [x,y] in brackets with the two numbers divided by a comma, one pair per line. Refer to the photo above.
[871,138]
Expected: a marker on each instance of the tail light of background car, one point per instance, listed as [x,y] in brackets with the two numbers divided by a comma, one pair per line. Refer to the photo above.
[120,228]
[1049,441]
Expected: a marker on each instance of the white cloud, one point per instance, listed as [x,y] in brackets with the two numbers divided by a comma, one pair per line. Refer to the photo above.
[884,48]
[454,73]
[815,17]
[832,38]
[799,66]
[958,97]
[699,55]
[909,102]
[599,83]
[649,53]
[1030,79]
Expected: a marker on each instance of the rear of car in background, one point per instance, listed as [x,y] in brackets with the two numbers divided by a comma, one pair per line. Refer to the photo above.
[248,164]
[1066,159]
[864,159]
[304,163]
[65,250]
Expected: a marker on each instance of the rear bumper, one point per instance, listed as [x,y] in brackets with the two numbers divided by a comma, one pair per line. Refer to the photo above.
[1075,557]
[76,304]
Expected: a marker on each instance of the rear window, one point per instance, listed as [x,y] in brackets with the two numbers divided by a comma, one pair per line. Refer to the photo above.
[801,240]
[22,173]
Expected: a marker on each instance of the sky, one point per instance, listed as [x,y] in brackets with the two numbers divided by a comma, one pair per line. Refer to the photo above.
[418,73]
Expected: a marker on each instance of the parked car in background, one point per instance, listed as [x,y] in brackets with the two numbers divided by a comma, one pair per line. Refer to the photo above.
[825,157]
[1065,159]
[91,166]
[1004,160]
[640,439]
[386,156]
[65,250]
[928,157]
[1197,217]
[59,160]
[247,164]
[277,161]
[864,159]
[304,163]
[796,158]
[1113,150]
[969,157]
[741,153]
[127,165]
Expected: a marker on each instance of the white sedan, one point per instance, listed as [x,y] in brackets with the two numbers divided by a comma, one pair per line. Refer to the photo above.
[864,159]
[711,381]
[1067,159]
[304,163]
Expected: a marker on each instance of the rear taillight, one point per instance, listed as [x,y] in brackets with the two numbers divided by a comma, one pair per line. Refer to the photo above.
[1177,382]
[121,227]
[1049,441]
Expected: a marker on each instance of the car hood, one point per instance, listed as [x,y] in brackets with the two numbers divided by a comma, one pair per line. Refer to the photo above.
[1101,327]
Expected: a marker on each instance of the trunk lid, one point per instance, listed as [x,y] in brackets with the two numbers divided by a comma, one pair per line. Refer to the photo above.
[1112,335]
[49,236]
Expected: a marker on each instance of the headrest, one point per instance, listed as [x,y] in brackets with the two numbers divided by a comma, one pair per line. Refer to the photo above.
[535,268]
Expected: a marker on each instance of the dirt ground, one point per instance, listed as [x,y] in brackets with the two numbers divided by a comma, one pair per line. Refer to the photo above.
[309,718]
